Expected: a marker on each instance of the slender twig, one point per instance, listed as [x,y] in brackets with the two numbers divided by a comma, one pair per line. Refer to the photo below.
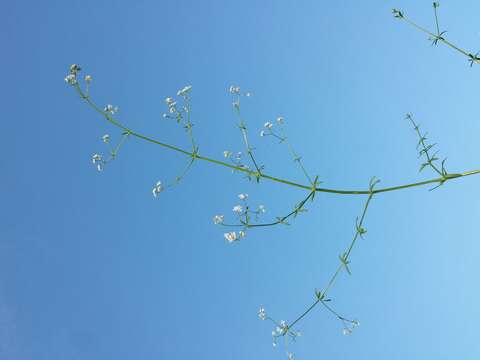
[435,7]
[243,129]
[473,58]
[281,219]
[425,149]
[344,261]
[296,158]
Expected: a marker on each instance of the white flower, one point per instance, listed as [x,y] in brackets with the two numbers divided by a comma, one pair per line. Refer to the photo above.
[172,109]
[157,189]
[218,219]
[262,314]
[99,167]
[290,356]
[238,209]
[261,208]
[234,90]
[268,125]
[227,154]
[96,158]
[169,101]
[243,196]
[346,331]
[71,79]
[230,236]
[283,328]
[106,138]
[74,69]
[262,133]
[242,234]
[184,91]
[88,78]
[355,323]
[111,109]
[280,120]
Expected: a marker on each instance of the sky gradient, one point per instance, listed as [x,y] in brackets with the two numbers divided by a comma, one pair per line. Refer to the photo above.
[93,267]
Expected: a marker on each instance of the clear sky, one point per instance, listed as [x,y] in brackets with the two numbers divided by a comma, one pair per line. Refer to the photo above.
[93,267]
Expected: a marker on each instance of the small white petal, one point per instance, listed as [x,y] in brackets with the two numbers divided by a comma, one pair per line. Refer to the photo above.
[218,219]
[157,189]
[96,158]
[230,236]
[237,209]
[234,89]
[262,314]
[71,79]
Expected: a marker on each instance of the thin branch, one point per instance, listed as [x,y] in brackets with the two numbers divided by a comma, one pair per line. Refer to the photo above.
[344,261]
[472,58]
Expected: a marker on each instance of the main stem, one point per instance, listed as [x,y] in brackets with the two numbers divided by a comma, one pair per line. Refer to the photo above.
[114,122]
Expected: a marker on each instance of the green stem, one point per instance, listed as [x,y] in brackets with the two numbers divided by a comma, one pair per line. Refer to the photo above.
[243,129]
[441,39]
[283,218]
[436,19]
[263,175]
[424,146]
[340,267]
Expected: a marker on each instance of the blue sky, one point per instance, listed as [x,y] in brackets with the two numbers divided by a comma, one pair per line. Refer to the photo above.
[93,267]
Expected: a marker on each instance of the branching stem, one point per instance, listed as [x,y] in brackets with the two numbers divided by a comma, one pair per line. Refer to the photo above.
[114,122]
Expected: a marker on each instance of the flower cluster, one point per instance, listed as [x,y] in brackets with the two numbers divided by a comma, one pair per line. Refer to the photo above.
[235,91]
[268,126]
[100,161]
[349,326]
[262,314]
[218,219]
[244,213]
[157,189]
[282,329]
[110,109]
[184,91]
[234,236]
[71,78]
[236,159]
[174,111]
